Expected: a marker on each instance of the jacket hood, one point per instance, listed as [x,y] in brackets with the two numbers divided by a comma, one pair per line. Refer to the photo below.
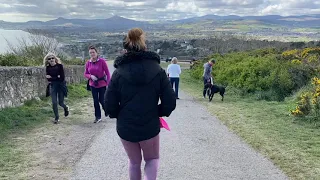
[138,67]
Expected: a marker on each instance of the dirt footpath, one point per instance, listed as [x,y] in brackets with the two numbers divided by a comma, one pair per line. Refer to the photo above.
[52,150]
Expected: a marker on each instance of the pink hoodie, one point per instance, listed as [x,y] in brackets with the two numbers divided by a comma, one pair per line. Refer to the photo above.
[98,69]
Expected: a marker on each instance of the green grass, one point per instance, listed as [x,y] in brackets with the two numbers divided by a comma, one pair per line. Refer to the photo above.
[293,145]
[15,121]
[34,112]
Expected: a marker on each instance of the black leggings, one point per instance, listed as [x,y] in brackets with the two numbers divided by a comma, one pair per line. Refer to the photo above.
[57,95]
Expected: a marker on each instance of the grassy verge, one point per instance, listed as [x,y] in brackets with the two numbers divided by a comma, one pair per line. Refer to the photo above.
[17,121]
[293,145]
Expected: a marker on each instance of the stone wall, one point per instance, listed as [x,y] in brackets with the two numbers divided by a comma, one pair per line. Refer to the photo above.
[18,84]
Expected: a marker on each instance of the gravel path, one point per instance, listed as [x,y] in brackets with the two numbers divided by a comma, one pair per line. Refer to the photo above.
[198,146]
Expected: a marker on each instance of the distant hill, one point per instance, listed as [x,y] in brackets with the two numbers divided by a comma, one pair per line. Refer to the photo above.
[113,23]
[297,21]
[117,23]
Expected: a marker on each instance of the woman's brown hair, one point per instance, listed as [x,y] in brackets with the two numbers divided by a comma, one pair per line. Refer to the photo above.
[135,40]
[92,47]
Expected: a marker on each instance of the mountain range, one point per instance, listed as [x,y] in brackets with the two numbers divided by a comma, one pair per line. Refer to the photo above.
[116,23]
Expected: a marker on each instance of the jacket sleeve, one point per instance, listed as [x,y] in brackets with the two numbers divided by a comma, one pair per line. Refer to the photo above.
[167,96]
[47,73]
[112,97]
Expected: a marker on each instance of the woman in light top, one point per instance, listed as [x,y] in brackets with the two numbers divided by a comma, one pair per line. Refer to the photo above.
[174,72]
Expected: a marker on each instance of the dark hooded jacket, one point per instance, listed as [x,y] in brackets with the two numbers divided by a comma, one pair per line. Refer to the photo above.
[133,95]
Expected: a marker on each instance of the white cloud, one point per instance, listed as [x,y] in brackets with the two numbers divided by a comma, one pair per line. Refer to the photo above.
[11,10]
[271,9]
[183,6]
[5,6]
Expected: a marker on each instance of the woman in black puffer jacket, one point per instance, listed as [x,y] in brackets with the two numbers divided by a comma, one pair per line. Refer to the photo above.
[132,97]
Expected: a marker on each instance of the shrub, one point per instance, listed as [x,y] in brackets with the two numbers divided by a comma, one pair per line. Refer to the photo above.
[74,62]
[29,60]
[309,101]
[269,73]
[13,60]
[304,106]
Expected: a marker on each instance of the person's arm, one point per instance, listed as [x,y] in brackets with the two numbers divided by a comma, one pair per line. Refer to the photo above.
[210,72]
[112,97]
[179,69]
[167,97]
[106,71]
[47,74]
[207,70]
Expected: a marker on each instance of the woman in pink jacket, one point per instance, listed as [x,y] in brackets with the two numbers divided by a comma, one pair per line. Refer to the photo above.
[98,74]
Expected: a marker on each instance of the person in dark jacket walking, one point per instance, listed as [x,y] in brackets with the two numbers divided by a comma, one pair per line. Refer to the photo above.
[133,96]
[56,78]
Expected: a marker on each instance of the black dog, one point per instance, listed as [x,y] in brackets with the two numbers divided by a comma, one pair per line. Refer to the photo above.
[212,89]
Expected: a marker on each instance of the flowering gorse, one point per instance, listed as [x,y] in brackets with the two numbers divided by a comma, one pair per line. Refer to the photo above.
[309,101]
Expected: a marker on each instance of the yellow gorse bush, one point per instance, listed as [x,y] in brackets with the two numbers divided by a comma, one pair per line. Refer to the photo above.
[309,55]
[291,53]
[307,51]
[304,106]
[309,101]
[296,61]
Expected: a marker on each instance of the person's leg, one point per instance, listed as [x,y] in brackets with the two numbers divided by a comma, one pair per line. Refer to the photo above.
[102,90]
[171,81]
[61,103]
[150,150]
[176,83]
[204,87]
[53,94]
[133,151]
[95,96]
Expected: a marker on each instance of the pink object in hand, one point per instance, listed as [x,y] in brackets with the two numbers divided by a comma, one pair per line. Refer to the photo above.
[164,124]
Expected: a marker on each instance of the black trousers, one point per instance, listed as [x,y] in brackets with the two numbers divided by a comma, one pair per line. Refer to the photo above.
[98,98]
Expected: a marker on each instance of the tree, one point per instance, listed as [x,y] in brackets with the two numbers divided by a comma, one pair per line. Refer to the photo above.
[36,46]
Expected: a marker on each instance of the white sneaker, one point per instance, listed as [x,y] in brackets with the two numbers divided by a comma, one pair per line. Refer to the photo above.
[97,120]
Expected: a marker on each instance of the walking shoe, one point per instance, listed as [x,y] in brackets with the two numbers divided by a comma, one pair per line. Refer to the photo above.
[66,111]
[56,121]
[97,120]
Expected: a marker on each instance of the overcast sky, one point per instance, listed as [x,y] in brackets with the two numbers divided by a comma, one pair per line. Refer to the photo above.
[24,10]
